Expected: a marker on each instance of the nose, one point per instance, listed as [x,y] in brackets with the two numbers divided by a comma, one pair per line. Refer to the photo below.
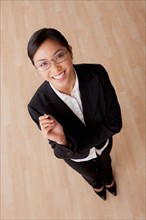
[55,67]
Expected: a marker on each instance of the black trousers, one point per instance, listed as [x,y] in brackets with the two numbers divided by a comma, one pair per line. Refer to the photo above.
[97,171]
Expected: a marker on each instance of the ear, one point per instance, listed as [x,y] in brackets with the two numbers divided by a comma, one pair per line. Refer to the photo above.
[71,53]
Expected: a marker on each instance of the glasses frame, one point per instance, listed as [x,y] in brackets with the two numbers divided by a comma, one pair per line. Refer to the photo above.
[55,60]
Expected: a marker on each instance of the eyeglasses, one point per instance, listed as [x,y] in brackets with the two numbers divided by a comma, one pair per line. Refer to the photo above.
[58,58]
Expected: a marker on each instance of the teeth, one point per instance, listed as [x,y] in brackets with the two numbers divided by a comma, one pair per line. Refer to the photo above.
[59,76]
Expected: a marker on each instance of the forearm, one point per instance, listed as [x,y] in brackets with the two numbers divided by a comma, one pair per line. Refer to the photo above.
[62,141]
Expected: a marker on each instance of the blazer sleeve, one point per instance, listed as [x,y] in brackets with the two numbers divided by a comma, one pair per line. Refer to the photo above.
[112,119]
[60,151]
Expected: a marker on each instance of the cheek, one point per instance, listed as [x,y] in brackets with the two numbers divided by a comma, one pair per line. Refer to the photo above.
[69,63]
[45,76]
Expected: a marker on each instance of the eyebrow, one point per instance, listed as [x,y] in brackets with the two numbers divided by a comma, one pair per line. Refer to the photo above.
[52,56]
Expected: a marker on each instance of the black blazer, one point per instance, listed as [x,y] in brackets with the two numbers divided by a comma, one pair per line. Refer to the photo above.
[101,112]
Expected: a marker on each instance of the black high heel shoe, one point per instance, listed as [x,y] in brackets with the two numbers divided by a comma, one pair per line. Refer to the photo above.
[102,193]
[112,189]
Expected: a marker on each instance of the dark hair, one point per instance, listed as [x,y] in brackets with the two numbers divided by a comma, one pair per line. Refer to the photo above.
[40,36]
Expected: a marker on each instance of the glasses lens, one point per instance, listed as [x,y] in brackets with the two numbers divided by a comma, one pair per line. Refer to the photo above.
[44,66]
[60,57]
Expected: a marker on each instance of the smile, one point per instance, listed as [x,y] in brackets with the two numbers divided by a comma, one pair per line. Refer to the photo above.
[58,77]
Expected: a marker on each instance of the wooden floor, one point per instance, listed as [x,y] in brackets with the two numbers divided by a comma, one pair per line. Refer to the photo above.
[34,184]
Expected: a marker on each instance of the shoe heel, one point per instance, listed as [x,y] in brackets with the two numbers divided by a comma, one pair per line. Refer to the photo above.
[101,194]
[113,189]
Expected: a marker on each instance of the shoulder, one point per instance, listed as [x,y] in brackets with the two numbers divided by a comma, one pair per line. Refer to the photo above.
[89,71]
[39,95]
[87,67]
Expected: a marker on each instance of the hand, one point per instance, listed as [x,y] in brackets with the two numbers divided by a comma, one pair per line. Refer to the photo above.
[52,130]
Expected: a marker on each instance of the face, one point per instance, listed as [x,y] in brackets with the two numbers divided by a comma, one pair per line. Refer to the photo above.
[61,74]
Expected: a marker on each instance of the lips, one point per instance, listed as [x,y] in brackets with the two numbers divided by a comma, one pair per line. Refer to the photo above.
[59,76]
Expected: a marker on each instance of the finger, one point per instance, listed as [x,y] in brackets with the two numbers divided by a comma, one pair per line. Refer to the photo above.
[44,117]
[43,121]
[46,122]
[45,125]
[45,131]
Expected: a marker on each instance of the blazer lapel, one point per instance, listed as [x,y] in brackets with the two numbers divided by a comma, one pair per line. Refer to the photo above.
[62,113]
[87,89]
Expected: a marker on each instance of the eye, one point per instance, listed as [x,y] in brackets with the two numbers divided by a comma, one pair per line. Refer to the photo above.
[60,55]
[45,63]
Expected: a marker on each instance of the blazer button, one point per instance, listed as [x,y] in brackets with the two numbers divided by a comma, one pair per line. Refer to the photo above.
[68,153]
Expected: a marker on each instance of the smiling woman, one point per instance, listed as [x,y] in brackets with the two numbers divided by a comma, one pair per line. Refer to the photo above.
[76,109]
[51,54]
[60,74]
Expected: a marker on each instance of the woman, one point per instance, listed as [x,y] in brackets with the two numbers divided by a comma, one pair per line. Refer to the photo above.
[76,109]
